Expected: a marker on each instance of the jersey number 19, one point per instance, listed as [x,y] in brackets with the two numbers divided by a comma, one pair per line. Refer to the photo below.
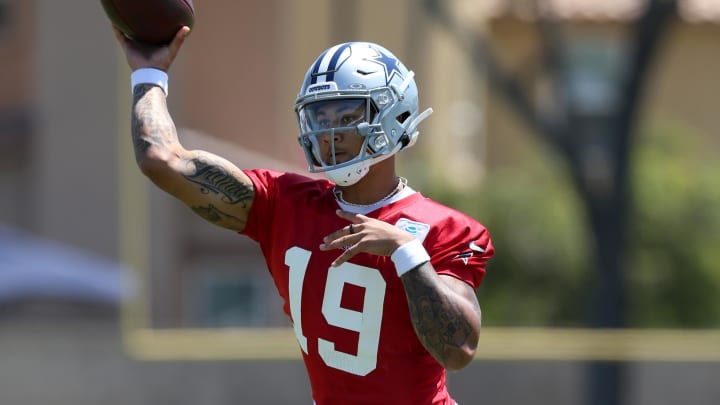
[366,322]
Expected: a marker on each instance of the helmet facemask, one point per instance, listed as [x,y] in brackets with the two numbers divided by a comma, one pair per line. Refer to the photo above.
[324,123]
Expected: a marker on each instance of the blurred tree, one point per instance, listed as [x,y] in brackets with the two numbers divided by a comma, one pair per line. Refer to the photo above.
[596,147]
[541,268]
[673,260]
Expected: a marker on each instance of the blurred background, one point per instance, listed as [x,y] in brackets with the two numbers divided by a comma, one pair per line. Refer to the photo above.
[583,134]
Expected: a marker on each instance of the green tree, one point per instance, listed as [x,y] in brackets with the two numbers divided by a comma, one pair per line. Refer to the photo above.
[541,268]
[674,261]
[541,271]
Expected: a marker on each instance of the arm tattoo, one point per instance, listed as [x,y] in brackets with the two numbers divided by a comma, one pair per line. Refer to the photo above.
[215,216]
[438,318]
[214,178]
[152,127]
[149,125]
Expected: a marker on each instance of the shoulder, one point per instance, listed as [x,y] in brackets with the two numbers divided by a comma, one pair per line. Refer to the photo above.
[272,179]
[439,215]
[441,225]
[280,196]
[458,244]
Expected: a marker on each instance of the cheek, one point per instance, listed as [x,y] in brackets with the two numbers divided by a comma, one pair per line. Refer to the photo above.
[355,143]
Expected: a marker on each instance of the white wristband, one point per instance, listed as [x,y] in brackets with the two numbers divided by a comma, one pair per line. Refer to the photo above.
[150,76]
[409,256]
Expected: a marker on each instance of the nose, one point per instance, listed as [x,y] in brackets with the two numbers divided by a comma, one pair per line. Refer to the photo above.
[332,135]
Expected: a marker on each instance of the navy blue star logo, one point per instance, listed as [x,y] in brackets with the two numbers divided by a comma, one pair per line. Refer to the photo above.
[388,63]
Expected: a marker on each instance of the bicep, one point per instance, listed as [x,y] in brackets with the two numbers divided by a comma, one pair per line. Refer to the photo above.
[212,187]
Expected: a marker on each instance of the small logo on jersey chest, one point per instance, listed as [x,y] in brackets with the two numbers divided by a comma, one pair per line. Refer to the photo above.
[417,229]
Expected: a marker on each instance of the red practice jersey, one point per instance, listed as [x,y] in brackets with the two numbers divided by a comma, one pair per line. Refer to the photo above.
[352,321]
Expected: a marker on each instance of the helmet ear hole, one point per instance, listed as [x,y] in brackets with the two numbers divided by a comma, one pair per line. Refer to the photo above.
[402,117]
[404,138]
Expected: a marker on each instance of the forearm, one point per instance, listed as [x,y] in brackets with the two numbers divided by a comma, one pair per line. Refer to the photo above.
[446,322]
[158,152]
[153,131]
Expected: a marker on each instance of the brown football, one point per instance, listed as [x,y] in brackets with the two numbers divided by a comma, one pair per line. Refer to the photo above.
[153,22]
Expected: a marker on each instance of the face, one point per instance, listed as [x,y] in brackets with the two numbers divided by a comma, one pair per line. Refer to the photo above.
[346,114]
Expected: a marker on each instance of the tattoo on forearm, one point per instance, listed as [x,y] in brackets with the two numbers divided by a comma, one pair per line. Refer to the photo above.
[153,127]
[438,319]
[214,215]
[148,127]
[214,178]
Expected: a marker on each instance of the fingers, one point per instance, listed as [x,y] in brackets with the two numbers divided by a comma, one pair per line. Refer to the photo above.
[341,238]
[346,238]
[346,255]
[362,234]
[141,55]
[178,41]
[118,35]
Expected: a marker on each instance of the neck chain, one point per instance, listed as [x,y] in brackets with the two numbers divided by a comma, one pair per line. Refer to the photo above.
[402,182]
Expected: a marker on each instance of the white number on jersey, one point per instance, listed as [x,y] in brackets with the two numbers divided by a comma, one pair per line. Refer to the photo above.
[366,322]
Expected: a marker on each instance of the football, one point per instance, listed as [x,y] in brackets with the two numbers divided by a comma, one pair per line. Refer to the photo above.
[153,22]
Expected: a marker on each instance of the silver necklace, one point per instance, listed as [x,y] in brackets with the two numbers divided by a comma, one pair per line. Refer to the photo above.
[402,182]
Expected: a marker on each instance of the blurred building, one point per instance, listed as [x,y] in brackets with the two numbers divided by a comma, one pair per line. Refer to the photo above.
[681,90]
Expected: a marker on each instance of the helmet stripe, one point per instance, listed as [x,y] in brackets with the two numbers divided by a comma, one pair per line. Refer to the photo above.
[326,64]
[316,68]
[333,62]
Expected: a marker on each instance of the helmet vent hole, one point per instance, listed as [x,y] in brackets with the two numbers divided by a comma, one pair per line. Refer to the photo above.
[402,117]
[364,73]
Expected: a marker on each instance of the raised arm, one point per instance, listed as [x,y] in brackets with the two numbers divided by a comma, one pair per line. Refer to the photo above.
[211,186]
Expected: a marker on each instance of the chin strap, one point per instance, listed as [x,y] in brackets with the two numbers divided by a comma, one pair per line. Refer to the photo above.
[351,174]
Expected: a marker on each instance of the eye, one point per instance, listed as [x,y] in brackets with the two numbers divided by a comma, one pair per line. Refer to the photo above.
[324,124]
[347,120]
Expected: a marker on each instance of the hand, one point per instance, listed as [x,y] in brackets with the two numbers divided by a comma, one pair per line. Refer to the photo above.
[143,56]
[368,235]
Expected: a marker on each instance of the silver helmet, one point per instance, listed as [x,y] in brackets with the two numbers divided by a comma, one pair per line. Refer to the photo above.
[380,93]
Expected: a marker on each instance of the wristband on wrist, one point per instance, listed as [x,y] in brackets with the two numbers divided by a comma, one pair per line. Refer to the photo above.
[151,76]
[409,256]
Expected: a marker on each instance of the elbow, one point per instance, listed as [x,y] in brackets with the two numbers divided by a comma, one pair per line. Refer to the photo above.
[459,355]
[150,167]
[459,358]
[154,163]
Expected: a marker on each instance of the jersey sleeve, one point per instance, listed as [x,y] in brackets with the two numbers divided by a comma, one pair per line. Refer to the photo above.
[265,184]
[460,247]
[277,195]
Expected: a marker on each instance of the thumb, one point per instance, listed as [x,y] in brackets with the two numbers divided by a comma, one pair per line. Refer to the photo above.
[177,42]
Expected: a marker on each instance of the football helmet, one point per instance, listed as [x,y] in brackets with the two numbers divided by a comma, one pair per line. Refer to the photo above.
[369,93]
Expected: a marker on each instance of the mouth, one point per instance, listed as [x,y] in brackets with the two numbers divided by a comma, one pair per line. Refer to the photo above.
[340,157]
